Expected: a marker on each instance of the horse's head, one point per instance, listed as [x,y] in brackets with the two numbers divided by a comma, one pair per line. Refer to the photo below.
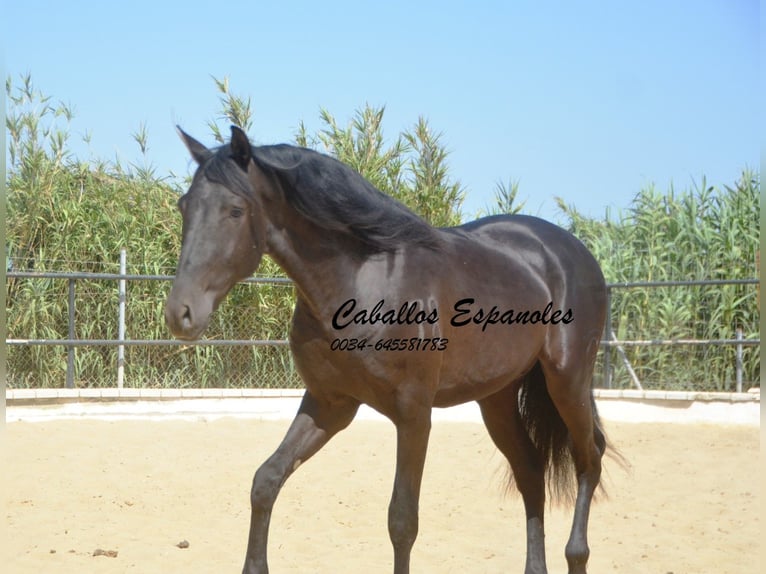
[223,233]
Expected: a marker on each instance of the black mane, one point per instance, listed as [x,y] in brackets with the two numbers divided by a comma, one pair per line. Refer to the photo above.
[331,195]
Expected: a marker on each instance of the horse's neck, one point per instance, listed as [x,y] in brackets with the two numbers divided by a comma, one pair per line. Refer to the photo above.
[314,260]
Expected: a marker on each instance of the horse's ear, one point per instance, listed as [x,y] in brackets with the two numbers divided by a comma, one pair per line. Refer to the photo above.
[198,151]
[241,152]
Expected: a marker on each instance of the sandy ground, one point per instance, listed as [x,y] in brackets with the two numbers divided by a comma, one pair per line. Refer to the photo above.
[689,503]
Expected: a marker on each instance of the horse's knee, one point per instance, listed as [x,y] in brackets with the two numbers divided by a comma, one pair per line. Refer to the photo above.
[266,485]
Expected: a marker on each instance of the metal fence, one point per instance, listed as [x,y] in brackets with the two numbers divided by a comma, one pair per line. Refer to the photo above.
[682,335]
[107,329]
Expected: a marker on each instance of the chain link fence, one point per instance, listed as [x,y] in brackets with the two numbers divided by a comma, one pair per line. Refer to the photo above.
[63,329]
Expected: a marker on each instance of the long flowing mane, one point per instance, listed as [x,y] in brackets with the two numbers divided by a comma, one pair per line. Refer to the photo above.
[335,197]
[329,194]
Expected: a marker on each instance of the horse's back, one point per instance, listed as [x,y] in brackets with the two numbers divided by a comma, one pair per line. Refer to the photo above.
[550,251]
[537,262]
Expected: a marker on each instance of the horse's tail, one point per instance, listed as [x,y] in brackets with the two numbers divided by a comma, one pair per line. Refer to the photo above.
[550,435]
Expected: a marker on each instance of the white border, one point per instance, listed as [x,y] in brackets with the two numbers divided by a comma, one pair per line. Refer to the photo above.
[34,405]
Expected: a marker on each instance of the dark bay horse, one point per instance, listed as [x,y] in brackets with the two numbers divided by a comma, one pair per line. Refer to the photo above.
[507,311]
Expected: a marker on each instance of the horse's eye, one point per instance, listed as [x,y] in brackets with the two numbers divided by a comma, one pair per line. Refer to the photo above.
[236,212]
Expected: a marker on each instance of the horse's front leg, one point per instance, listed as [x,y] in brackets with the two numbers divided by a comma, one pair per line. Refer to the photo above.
[316,422]
[412,431]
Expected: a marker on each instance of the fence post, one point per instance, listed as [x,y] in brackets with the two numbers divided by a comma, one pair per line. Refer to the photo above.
[71,333]
[626,362]
[739,360]
[608,348]
[121,321]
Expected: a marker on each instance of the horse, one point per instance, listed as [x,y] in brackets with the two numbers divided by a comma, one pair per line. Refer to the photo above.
[507,311]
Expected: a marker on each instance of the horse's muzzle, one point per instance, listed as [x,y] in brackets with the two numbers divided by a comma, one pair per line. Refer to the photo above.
[187,317]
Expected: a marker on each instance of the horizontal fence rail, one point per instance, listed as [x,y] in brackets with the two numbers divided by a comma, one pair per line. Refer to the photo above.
[149,342]
[609,364]
[686,283]
[125,277]
[681,342]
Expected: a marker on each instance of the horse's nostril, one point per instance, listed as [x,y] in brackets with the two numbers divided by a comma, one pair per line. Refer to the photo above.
[186,318]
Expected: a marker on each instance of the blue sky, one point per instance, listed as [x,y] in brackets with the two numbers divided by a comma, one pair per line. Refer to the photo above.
[590,101]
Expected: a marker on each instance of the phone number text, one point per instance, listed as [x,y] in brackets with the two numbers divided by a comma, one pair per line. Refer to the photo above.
[411,344]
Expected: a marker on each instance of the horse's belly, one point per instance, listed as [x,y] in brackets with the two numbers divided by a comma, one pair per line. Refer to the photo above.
[478,366]
[465,392]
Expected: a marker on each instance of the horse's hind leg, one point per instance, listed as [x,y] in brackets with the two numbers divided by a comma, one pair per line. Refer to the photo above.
[316,422]
[500,412]
[571,393]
